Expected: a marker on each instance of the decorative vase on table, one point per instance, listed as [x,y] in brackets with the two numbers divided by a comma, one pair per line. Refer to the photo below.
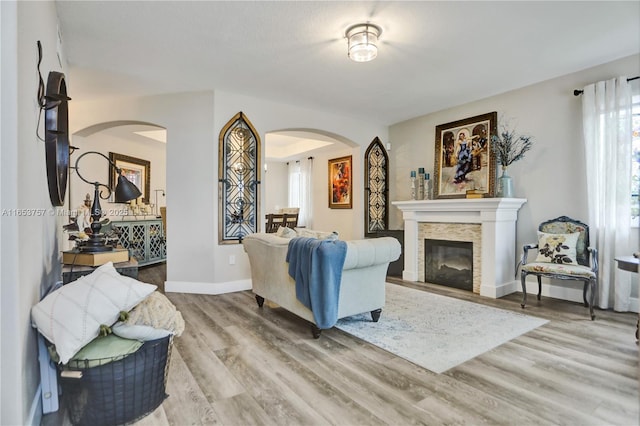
[414,186]
[505,185]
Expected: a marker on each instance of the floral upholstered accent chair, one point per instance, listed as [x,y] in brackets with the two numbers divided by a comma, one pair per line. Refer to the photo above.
[563,254]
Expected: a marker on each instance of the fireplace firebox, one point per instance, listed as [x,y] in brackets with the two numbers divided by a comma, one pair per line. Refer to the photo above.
[449,263]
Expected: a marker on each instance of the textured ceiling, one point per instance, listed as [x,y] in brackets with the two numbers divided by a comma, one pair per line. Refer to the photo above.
[433,55]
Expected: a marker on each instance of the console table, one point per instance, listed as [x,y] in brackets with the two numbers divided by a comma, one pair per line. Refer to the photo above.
[144,239]
[628,263]
[72,273]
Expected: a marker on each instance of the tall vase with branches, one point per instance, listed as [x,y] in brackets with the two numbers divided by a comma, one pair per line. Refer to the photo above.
[509,147]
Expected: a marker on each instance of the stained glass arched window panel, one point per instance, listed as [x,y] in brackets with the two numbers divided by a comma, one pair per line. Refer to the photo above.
[238,180]
[376,169]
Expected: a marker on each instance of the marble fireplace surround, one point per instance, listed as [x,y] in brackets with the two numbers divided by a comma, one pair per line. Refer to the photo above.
[497,219]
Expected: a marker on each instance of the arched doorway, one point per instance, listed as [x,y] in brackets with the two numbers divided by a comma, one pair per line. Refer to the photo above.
[140,149]
[296,168]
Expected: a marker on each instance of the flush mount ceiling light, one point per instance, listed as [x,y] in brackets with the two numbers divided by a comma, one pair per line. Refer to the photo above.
[363,41]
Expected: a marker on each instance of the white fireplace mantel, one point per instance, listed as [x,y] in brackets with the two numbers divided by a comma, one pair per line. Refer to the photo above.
[497,217]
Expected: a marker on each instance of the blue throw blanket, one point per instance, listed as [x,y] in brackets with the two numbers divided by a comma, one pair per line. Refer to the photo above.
[316,266]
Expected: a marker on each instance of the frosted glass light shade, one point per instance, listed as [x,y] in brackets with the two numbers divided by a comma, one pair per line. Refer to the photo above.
[363,42]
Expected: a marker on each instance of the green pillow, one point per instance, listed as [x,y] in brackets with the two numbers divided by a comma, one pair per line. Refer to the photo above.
[103,350]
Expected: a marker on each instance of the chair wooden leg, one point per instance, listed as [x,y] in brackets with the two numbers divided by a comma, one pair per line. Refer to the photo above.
[592,284]
[523,279]
[539,286]
[584,293]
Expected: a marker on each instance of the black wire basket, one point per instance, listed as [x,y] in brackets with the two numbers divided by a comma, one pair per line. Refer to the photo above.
[115,392]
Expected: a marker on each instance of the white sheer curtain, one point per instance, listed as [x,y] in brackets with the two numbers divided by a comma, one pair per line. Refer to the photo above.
[301,189]
[306,203]
[606,115]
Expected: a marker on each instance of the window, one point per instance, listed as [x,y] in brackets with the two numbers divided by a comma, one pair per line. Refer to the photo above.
[635,167]
[295,185]
[238,179]
[376,169]
[300,189]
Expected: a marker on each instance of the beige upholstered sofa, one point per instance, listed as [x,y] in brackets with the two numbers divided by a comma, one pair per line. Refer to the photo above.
[362,288]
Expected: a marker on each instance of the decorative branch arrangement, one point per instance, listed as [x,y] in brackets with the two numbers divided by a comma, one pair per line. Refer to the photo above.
[510,147]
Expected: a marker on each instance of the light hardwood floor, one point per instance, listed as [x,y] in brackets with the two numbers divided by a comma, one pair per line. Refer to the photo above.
[237,364]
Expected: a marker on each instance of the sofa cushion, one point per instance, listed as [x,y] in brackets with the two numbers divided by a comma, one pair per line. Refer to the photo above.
[554,268]
[371,251]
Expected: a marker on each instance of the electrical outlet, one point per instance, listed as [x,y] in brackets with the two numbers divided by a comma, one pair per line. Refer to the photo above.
[232,259]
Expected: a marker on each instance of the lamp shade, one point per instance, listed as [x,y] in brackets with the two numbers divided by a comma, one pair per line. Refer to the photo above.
[363,42]
[125,190]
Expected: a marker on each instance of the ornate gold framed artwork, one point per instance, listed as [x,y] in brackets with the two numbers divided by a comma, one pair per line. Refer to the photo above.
[340,183]
[136,170]
[464,160]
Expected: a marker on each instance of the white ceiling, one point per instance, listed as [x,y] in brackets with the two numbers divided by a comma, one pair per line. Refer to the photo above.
[292,145]
[433,55]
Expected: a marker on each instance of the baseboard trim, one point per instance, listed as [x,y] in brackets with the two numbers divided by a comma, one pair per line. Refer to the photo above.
[499,290]
[409,276]
[572,294]
[206,288]
[557,292]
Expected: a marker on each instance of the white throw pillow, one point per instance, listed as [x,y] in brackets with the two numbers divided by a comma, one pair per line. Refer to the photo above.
[331,236]
[557,248]
[321,235]
[307,233]
[285,232]
[71,316]
[138,332]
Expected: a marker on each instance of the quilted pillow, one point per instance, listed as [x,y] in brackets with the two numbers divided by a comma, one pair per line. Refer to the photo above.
[309,233]
[285,232]
[71,316]
[557,248]
[151,319]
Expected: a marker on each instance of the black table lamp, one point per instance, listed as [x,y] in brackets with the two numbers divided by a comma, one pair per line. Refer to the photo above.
[125,191]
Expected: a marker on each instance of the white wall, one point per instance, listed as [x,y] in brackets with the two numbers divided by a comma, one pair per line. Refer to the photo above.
[276,183]
[349,223]
[190,173]
[30,260]
[551,176]
[323,218]
[195,260]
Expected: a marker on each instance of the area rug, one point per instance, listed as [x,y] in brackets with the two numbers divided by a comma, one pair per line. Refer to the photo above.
[437,332]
